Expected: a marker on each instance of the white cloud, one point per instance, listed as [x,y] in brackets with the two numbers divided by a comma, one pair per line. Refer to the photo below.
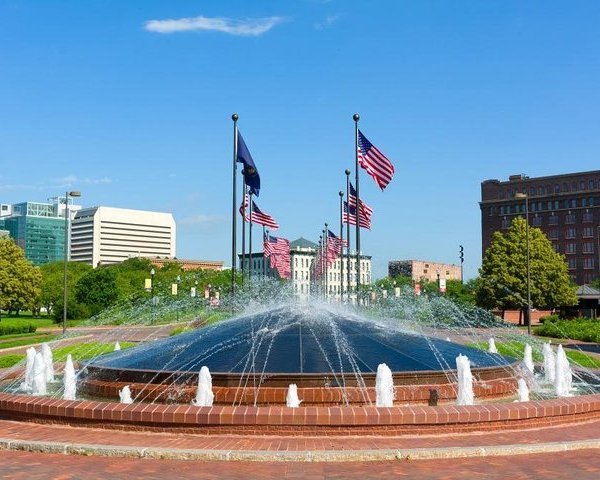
[252,27]
[201,220]
[70,180]
[330,20]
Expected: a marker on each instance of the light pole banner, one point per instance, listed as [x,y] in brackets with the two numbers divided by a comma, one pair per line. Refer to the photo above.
[173,289]
[442,285]
[148,284]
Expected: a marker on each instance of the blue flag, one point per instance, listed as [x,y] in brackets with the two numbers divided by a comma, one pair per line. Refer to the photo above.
[250,172]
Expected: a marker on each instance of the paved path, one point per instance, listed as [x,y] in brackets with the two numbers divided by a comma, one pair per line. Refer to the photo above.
[580,465]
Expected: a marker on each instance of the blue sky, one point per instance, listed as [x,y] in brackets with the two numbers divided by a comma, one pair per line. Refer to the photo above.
[131,103]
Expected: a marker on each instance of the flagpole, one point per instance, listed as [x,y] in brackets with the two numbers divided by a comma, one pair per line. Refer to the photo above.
[250,239]
[264,258]
[234,117]
[348,286]
[326,261]
[243,228]
[320,265]
[356,118]
[341,246]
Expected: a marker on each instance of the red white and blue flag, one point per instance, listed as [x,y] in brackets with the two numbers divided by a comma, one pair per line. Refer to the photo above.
[258,216]
[277,249]
[374,162]
[349,216]
[364,208]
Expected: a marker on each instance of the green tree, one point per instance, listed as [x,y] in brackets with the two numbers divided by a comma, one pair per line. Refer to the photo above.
[463,293]
[503,273]
[97,289]
[53,284]
[19,279]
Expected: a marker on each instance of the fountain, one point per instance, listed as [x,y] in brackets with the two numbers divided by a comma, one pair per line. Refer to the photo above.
[331,356]
[48,360]
[564,377]
[549,363]
[125,395]
[465,381]
[117,346]
[492,346]
[384,386]
[39,375]
[69,380]
[528,358]
[27,383]
[204,394]
[292,399]
[523,390]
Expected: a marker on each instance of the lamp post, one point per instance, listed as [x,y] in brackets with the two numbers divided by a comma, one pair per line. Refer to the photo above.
[66,252]
[152,272]
[178,280]
[524,196]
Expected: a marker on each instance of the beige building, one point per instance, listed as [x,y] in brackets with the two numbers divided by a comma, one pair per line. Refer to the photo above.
[106,235]
[424,270]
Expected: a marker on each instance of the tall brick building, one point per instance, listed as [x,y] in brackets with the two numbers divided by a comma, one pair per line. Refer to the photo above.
[565,207]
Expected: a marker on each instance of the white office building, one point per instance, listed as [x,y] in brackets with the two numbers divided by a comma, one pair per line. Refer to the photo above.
[302,255]
[106,235]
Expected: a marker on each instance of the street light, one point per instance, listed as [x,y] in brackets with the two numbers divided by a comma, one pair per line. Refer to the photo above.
[66,252]
[152,272]
[524,196]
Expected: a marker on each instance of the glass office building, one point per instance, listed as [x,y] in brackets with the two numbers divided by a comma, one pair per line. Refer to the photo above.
[38,228]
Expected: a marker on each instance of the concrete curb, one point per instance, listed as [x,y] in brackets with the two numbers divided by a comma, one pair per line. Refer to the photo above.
[295,456]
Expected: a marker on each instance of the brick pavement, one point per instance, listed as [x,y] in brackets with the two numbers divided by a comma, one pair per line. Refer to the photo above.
[582,465]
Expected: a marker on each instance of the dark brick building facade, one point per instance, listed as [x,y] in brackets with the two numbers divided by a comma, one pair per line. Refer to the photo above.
[565,207]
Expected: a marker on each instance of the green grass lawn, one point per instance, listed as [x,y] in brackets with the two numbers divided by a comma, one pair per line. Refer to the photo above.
[10,341]
[516,350]
[80,351]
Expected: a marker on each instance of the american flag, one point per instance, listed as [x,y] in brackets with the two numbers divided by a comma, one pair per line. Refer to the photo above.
[277,249]
[349,216]
[364,208]
[243,208]
[334,247]
[374,162]
[258,216]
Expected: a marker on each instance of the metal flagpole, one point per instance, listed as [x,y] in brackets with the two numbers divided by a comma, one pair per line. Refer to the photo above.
[243,229]
[234,117]
[341,246]
[326,233]
[321,265]
[250,239]
[264,258]
[348,287]
[356,118]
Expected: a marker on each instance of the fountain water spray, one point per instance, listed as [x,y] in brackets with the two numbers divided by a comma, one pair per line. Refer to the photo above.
[125,395]
[27,384]
[465,381]
[564,377]
[492,346]
[39,375]
[528,358]
[49,362]
[204,394]
[69,380]
[384,386]
[523,390]
[117,346]
[549,363]
[291,399]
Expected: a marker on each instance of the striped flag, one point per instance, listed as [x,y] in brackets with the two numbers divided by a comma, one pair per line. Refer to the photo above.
[364,208]
[374,162]
[334,247]
[262,218]
[243,208]
[277,249]
[349,216]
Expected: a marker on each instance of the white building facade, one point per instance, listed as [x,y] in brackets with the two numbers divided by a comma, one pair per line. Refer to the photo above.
[302,256]
[106,235]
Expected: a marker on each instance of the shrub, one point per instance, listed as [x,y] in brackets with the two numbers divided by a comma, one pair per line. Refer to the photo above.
[17,329]
[549,318]
[582,329]
[7,361]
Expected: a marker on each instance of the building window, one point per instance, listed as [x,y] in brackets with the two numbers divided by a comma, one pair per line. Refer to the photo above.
[588,217]
[536,221]
[572,262]
[570,233]
[588,247]
[589,263]
[553,220]
[588,232]
[556,247]
[553,233]
[570,219]
[571,248]
[505,222]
